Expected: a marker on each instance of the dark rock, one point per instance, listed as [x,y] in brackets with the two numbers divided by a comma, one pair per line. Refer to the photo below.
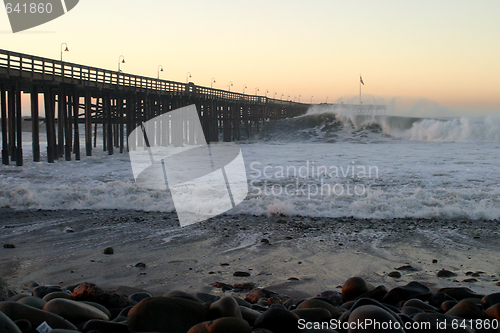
[249,315]
[407,268]
[137,297]
[447,305]
[9,246]
[394,274]
[165,314]
[460,293]
[108,250]
[29,285]
[438,298]
[41,291]
[57,294]
[493,311]
[354,287]
[445,274]
[33,301]
[4,290]
[244,286]
[335,311]
[313,314]
[140,265]
[23,324]
[73,311]
[490,300]
[377,293]
[225,307]
[207,298]
[241,274]
[466,309]
[104,327]
[7,325]
[420,305]
[278,320]
[182,294]
[222,325]
[334,296]
[16,311]
[92,293]
[411,290]
[254,295]
[374,313]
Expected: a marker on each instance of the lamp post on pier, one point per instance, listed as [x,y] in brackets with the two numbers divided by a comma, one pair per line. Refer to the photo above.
[188,76]
[212,82]
[121,60]
[230,85]
[160,69]
[65,50]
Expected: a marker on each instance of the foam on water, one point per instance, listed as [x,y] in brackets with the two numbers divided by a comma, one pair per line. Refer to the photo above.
[424,168]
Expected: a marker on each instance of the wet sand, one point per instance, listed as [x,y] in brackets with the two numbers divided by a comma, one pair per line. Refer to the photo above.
[65,248]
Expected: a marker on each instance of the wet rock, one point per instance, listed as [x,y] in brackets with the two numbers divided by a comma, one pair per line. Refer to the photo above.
[222,325]
[395,275]
[278,320]
[92,293]
[137,297]
[371,312]
[493,311]
[140,265]
[9,246]
[108,250]
[446,306]
[334,296]
[33,301]
[313,314]
[335,311]
[445,274]
[459,293]
[241,274]
[57,294]
[254,295]
[249,315]
[420,305]
[165,314]
[466,309]
[104,326]
[182,294]
[16,311]
[490,300]
[438,298]
[29,285]
[41,291]
[244,286]
[354,287]
[7,325]
[225,307]
[411,290]
[24,325]
[73,311]
[207,298]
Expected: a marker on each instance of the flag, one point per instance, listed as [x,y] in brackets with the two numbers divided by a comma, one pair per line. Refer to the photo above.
[361,80]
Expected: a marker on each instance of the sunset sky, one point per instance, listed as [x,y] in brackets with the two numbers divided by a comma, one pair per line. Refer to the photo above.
[444,51]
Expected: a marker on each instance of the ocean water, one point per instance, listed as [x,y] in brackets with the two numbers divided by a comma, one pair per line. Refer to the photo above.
[330,162]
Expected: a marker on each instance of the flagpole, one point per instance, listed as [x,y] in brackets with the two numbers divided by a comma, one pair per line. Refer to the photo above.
[359,88]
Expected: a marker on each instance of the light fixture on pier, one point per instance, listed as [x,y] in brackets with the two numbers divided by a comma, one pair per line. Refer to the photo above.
[188,76]
[275,94]
[326,99]
[121,60]
[212,82]
[65,50]
[282,96]
[244,87]
[300,97]
[288,98]
[230,85]
[160,69]
[312,99]
[265,95]
[256,90]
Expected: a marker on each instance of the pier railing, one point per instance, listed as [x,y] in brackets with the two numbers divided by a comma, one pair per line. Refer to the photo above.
[13,64]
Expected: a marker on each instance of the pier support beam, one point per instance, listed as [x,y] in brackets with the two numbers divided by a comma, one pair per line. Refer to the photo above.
[5,133]
[35,124]
[19,118]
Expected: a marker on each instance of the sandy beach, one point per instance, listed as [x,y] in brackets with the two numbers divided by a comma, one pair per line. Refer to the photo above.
[66,248]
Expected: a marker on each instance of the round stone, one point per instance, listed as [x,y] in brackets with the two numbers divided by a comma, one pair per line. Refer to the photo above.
[354,287]
[165,314]
[73,311]
[222,325]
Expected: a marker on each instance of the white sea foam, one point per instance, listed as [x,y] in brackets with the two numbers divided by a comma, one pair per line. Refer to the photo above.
[422,175]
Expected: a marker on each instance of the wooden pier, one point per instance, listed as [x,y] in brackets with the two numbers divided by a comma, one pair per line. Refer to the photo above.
[117,103]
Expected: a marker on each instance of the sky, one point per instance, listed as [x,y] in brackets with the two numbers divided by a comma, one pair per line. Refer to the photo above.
[444,52]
